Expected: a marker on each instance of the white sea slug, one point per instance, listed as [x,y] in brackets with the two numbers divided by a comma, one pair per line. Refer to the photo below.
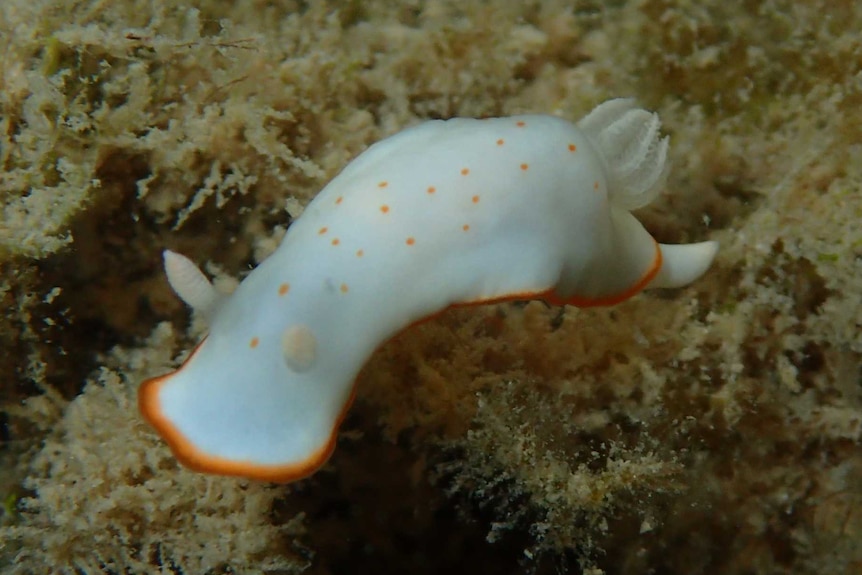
[451,212]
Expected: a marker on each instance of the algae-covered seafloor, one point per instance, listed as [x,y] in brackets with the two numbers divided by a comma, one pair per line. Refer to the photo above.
[714,429]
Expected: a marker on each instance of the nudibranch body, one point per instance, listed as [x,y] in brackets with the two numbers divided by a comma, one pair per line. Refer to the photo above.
[451,212]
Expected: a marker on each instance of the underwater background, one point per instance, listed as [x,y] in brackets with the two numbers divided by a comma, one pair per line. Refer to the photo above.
[709,430]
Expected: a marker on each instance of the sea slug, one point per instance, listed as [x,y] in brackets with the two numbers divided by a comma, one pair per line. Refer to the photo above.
[454,212]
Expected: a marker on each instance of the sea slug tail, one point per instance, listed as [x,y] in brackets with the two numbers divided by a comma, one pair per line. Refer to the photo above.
[684,263]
